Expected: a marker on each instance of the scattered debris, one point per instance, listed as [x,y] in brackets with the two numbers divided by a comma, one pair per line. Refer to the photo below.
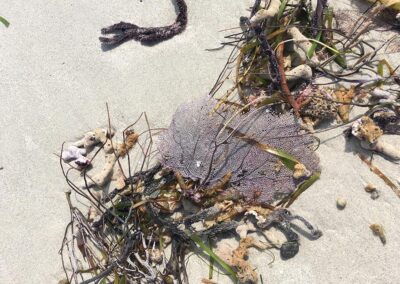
[377,229]
[372,190]
[233,161]
[160,196]
[376,171]
[341,203]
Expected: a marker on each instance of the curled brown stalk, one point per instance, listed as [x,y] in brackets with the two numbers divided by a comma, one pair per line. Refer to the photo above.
[284,86]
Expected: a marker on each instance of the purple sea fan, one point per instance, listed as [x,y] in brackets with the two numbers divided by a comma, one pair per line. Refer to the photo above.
[204,146]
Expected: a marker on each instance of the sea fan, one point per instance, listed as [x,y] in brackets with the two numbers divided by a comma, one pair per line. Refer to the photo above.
[204,146]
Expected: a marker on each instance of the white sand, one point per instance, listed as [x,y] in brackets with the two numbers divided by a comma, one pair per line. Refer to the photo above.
[55,81]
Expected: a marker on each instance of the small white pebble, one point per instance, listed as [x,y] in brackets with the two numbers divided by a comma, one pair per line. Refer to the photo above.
[341,203]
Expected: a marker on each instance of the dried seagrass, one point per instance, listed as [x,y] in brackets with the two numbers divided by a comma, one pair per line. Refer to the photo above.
[204,146]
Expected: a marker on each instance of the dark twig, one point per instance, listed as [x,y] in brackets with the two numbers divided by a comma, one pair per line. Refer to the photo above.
[317,17]
[255,7]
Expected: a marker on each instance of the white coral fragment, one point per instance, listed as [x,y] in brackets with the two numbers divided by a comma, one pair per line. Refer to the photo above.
[383,147]
[119,179]
[94,137]
[266,14]
[300,39]
[102,177]
[111,154]
[302,46]
[301,72]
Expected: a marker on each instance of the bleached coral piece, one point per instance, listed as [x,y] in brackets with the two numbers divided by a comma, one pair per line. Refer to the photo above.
[112,153]
[383,147]
[303,46]
[300,39]
[266,14]
[94,137]
[78,150]
[102,177]
[119,179]
[301,72]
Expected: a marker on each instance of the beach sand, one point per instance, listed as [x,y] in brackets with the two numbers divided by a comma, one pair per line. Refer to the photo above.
[55,82]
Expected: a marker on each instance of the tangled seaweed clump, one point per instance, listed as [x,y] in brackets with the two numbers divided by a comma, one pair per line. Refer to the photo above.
[221,170]
[231,162]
